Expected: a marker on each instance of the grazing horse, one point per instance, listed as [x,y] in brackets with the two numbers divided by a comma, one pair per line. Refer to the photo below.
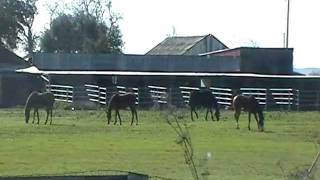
[121,101]
[204,98]
[38,100]
[251,105]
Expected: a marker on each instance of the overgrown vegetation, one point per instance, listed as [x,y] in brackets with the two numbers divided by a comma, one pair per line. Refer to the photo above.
[80,142]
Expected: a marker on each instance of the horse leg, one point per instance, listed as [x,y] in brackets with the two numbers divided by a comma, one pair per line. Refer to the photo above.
[136,113]
[191,111]
[207,114]
[38,116]
[256,117]
[236,116]
[50,116]
[217,114]
[116,116]
[119,118]
[47,116]
[132,114]
[211,114]
[196,113]
[34,115]
[109,115]
[249,118]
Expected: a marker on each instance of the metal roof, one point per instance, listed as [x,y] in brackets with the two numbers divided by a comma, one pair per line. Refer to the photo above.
[178,45]
[35,70]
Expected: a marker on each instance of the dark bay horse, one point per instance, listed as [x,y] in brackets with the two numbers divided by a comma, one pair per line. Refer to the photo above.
[251,105]
[204,98]
[38,100]
[122,101]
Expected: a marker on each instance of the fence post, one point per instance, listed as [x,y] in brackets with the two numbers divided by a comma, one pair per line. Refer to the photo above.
[298,99]
[72,97]
[317,101]
[67,94]
[267,99]
[289,99]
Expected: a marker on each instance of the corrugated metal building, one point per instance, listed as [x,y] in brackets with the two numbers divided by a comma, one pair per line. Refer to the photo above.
[171,55]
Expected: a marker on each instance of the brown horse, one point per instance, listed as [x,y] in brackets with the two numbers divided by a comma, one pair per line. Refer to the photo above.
[204,98]
[251,105]
[122,101]
[38,100]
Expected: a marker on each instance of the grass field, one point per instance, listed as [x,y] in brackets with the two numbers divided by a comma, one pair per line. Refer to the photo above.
[80,141]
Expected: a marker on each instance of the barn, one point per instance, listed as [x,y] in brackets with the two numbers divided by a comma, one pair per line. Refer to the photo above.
[15,88]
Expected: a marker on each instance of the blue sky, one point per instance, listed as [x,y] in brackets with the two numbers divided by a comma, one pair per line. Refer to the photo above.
[237,23]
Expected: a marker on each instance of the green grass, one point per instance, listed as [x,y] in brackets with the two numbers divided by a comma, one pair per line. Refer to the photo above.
[80,141]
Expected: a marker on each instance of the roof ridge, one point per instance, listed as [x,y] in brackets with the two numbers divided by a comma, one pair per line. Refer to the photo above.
[196,42]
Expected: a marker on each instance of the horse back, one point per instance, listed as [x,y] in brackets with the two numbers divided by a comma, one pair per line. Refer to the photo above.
[248,103]
[203,98]
[122,100]
[37,99]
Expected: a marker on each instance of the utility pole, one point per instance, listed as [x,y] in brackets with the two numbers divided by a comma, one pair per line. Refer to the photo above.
[288,12]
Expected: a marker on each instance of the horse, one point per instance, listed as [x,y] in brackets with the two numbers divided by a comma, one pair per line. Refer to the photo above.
[122,101]
[38,100]
[251,105]
[204,98]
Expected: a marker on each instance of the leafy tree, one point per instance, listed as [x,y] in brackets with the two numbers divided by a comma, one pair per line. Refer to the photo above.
[85,30]
[16,17]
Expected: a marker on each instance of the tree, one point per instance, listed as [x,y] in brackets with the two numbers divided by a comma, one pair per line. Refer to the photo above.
[85,30]
[16,17]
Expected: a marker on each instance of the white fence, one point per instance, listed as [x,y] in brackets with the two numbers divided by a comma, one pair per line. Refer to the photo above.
[96,93]
[285,98]
[101,94]
[159,94]
[61,92]
[223,95]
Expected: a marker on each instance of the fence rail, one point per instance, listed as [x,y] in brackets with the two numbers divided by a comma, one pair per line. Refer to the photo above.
[101,95]
[274,98]
[61,92]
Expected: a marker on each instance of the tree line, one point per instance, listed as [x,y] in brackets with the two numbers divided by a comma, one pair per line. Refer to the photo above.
[85,26]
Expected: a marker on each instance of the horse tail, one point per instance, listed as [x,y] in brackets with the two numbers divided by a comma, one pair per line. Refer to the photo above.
[109,112]
[233,101]
[109,109]
[27,110]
